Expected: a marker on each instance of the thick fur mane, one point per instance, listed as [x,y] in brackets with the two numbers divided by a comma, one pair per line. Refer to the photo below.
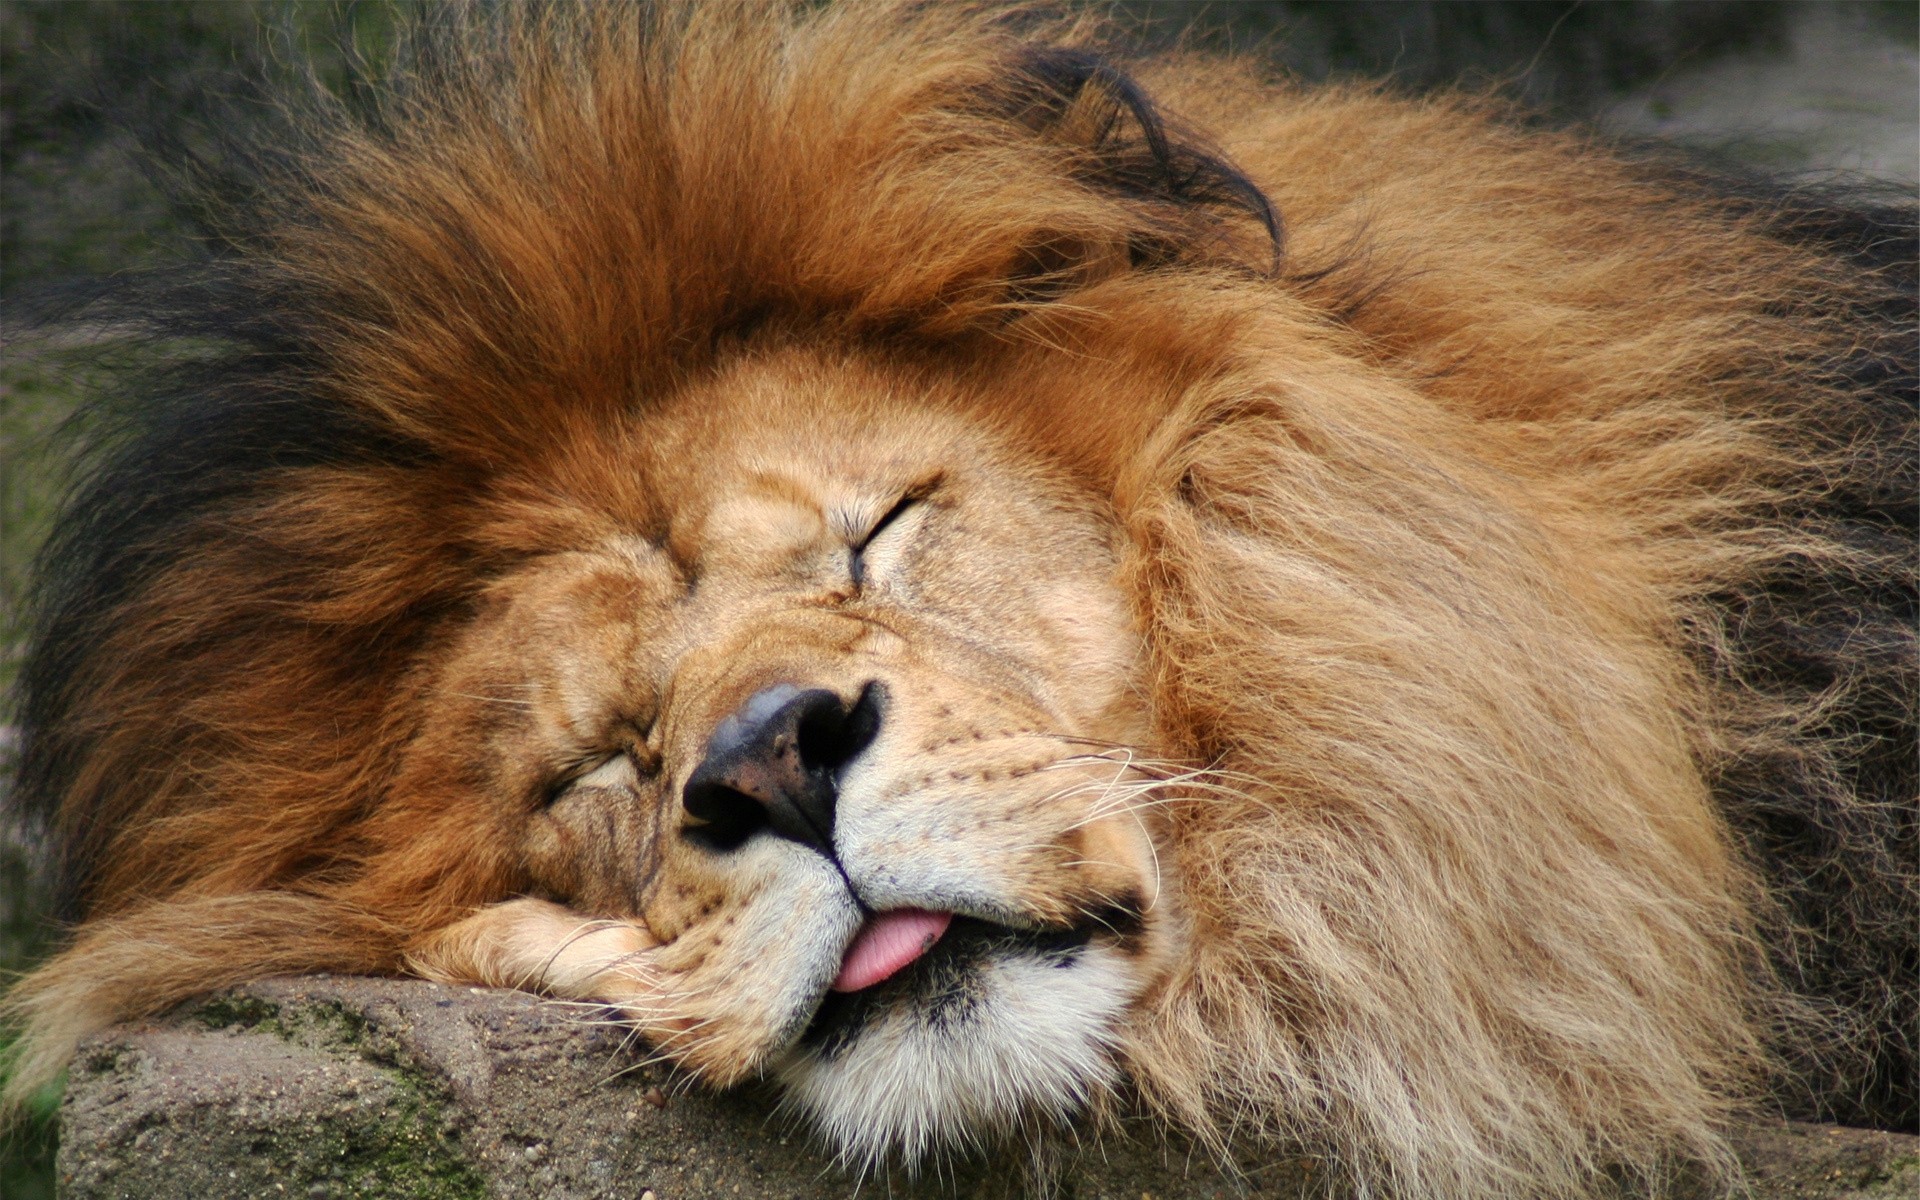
[327,372]
[1499,397]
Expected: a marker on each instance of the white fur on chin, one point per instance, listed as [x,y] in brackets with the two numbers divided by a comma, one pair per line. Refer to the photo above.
[1037,1041]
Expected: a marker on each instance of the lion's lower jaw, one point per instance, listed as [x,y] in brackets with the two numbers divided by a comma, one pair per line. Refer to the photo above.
[1032,1041]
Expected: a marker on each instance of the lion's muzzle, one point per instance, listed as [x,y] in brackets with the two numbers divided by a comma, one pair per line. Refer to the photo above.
[774,766]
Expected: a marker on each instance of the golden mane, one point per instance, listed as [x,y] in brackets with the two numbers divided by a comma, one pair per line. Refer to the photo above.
[1468,529]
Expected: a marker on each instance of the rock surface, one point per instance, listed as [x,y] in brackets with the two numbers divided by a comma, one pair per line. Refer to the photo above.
[337,1087]
[1839,96]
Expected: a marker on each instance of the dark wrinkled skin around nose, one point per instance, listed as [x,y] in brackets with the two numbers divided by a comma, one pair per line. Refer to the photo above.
[773,765]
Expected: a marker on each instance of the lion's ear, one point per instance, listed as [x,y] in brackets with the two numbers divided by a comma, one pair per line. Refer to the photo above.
[1186,201]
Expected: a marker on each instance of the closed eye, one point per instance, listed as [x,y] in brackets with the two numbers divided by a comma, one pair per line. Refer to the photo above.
[614,771]
[857,553]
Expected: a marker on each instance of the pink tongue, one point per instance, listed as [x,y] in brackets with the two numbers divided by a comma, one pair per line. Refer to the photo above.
[889,942]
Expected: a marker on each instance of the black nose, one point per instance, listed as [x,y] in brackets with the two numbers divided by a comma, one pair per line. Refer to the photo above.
[775,765]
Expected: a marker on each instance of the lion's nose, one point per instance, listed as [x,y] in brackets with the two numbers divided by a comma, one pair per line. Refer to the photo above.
[775,765]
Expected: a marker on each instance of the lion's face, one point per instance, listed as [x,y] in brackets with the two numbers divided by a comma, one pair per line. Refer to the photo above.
[849,730]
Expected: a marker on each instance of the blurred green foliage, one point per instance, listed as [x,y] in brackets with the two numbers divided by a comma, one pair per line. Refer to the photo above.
[79,80]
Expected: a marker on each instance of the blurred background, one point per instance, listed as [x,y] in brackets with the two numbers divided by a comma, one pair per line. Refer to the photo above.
[1793,85]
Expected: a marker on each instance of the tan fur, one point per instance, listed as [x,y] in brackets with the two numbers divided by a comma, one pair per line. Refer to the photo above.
[1382,612]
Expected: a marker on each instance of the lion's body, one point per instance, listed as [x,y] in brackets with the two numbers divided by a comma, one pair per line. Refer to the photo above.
[1524,562]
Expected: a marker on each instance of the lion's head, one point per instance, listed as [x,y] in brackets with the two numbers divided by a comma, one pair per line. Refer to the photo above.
[847,534]
[852,720]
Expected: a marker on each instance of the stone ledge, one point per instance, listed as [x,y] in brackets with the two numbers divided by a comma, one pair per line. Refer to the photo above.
[343,1087]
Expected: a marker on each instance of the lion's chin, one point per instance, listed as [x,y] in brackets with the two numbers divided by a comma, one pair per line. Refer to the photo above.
[992,1028]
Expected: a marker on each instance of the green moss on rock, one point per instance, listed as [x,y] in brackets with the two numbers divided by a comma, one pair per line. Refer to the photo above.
[405,1146]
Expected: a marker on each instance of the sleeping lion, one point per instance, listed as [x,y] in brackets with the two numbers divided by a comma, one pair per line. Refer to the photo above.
[1000,585]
